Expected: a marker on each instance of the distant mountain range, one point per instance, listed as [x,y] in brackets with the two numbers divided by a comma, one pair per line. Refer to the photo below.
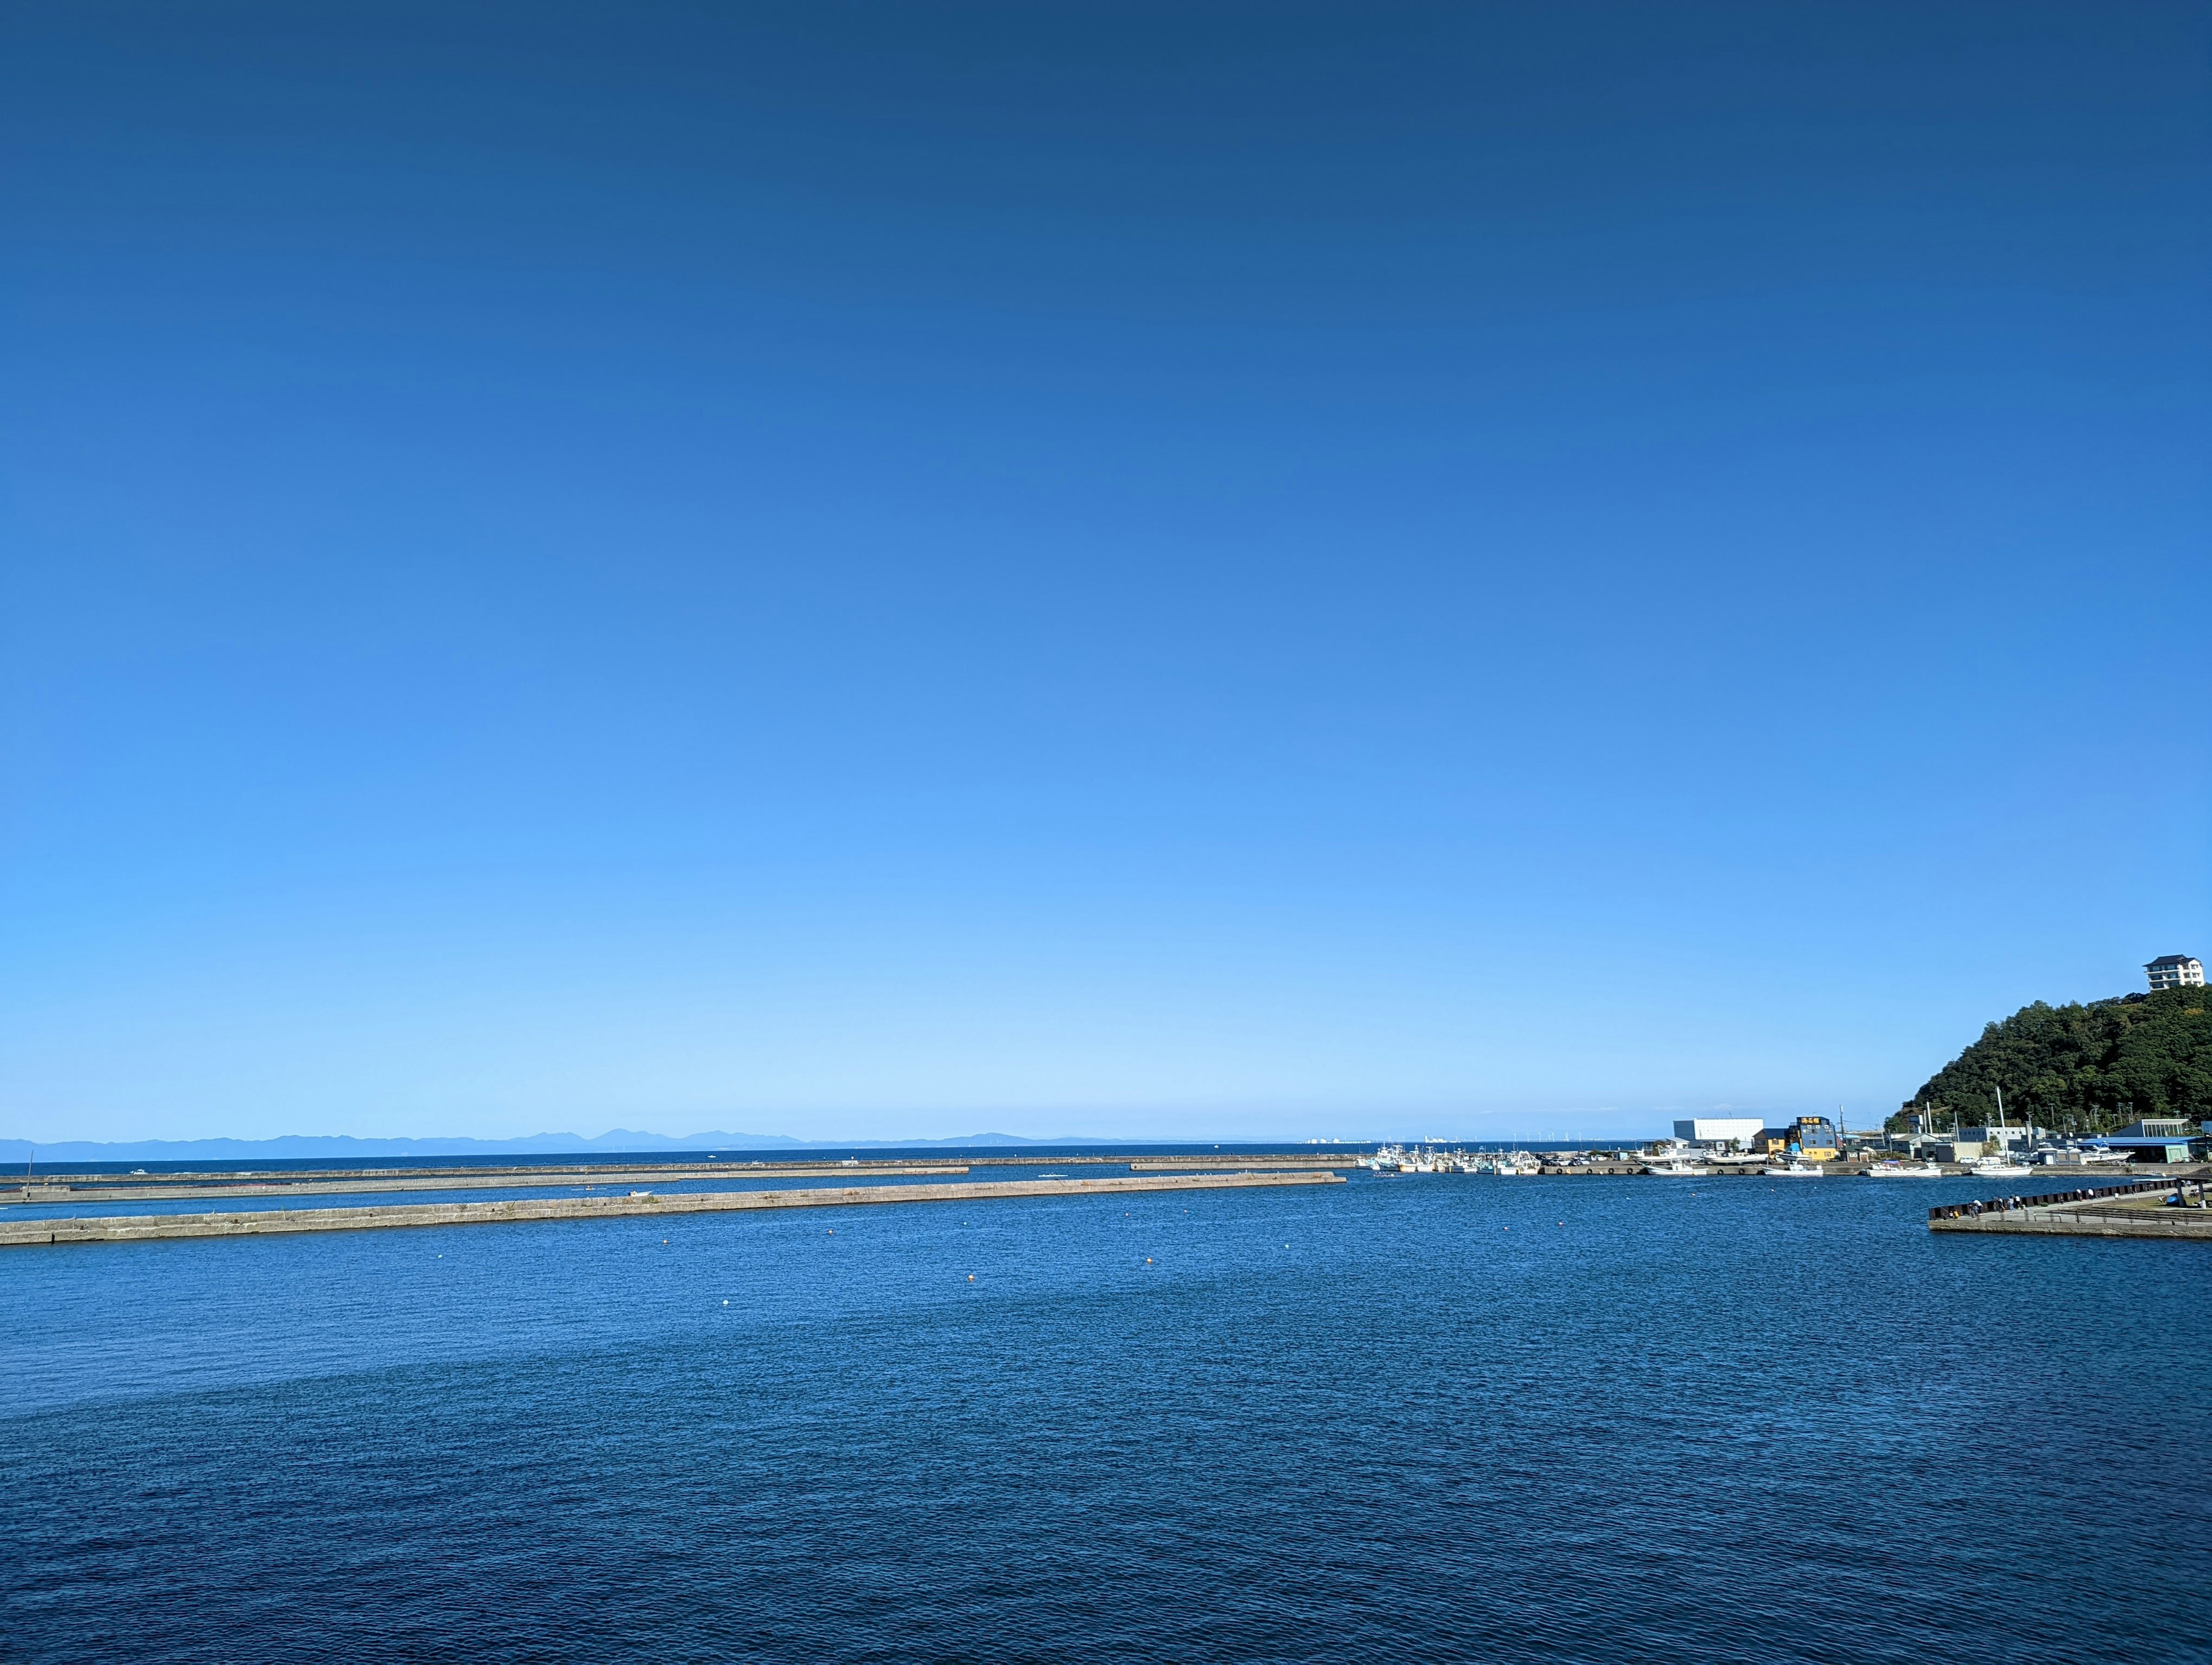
[302,1145]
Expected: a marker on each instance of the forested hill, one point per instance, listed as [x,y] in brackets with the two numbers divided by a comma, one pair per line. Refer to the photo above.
[2086,1068]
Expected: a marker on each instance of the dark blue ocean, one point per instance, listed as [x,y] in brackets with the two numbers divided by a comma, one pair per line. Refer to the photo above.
[1419,1417]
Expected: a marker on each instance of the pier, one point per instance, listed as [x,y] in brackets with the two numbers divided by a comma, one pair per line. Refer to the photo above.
[1249,1164]
[2138,1210]
[266,1222]
[153,1188]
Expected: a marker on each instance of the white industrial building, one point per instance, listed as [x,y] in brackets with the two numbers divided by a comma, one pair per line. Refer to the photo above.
[1727,1130]
[2176,971]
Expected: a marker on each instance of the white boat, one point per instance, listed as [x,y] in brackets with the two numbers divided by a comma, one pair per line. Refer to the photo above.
[1998,1168]
[1675,1158]
[1903,1170]
[1795,1171]
[2102,1153]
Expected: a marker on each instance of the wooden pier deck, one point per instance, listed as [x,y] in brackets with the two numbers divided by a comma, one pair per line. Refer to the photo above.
[138,1228]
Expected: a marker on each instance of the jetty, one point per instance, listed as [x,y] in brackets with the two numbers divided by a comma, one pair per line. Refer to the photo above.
[266,1222]
[2146,1208]
[152,1189]
[172,1185]
[1246,1163]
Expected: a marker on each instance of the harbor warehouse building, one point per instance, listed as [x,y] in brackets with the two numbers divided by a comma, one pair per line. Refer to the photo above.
[1719,1130]
[2165,1139]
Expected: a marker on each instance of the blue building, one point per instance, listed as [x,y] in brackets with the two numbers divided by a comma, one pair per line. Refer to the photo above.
[2155,1139]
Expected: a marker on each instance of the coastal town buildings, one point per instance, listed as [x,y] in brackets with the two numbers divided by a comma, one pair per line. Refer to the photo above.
[2159,1139]
[1729,1133]
[1814,1137]
[2176,971]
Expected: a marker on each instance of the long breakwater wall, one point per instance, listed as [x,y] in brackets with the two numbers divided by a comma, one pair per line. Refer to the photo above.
[1251,1164]
[356,1184]
[135,1228]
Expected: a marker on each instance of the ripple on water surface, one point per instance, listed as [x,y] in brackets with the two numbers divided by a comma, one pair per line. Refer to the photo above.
[1447,1418]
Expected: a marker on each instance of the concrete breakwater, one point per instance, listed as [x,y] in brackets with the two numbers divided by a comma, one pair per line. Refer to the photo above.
[1247,1164]
[532,1171]
[356,1186]
[132,1228]
[64,1186]
[2138,1210]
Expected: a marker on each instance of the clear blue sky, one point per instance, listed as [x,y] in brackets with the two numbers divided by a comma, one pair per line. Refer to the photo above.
[865,571]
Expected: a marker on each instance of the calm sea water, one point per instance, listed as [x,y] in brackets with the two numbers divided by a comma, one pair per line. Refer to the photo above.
[1420,1417]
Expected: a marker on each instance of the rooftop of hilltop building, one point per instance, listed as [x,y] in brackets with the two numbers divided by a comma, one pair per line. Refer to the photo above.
[2176,971]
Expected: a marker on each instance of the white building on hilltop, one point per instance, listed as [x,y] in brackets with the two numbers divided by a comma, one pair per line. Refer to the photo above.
[2176,971]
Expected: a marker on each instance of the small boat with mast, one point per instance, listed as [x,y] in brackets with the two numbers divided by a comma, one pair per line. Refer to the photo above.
[2000,1164]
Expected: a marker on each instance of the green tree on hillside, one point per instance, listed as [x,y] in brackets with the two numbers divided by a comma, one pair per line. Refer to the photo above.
[2083,1069]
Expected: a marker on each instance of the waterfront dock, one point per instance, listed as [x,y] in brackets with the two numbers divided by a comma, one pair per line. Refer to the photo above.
[2141,1209]
[264,1221]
